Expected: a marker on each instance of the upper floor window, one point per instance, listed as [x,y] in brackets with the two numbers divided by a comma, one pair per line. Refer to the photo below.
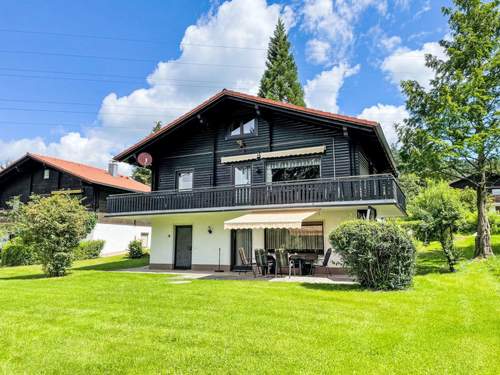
[185,180]
[242,175]
[243,128]
[293,170]
[46,174]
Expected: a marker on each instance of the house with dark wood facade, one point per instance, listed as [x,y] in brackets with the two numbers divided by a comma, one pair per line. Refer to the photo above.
[45,175]
[243,172]
[492,185]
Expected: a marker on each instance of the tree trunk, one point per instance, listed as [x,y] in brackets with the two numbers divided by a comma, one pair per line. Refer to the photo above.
[483,237]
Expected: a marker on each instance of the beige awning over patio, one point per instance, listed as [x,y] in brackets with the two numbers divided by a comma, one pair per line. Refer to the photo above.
[273,219]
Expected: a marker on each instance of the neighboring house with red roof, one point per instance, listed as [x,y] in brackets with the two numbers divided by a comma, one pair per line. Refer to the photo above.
[243,172]
[44,175]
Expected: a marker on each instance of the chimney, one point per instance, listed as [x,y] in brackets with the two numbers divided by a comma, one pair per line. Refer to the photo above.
[113,168]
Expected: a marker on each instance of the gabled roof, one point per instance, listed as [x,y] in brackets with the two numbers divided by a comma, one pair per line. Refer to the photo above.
[256,100]
[84,172]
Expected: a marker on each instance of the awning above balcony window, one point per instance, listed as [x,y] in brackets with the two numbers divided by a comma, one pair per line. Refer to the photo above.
[274,219]
[274,154]
[293,152]
[238,158]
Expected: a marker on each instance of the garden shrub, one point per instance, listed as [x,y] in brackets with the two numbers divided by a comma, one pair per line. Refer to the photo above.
[381,255]
[16,253]
[53,226]
[135,249]
[469,225]
[88,249]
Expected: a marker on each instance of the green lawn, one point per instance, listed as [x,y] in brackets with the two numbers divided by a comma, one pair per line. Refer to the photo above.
[94,321]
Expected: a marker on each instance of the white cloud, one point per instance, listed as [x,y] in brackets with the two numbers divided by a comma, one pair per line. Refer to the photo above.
[404,4]
[333,21]
[387,116]
[72,146]
[406,64]
[175,85]
[390,42]
[322,91]
[425,8]
[317,51]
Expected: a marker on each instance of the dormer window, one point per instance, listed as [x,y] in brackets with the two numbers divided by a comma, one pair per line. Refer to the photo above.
[241,129]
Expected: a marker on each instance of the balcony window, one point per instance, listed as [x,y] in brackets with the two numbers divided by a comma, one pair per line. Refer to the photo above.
[293,170]
[241,129]
[185,180]
[242,175]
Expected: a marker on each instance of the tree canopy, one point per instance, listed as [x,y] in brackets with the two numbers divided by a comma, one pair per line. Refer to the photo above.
[453,127]
[280,80]
[53,227]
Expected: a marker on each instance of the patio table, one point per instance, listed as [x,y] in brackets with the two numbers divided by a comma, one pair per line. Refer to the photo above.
[303,258]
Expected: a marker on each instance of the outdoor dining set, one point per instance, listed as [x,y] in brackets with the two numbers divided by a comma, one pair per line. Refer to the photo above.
[281,261]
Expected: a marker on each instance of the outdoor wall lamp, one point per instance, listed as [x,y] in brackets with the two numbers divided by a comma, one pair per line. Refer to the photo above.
[210,230]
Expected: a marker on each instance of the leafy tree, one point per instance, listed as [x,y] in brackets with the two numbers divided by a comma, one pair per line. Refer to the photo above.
[142,174]
[411,184]
[453,128]
[280,80]
[53,227]
[440,212]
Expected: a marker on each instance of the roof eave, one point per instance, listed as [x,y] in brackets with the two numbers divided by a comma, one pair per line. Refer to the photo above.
[381,137]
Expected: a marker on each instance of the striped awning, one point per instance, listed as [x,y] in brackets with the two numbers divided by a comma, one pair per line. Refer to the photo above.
[238,158]
[293,152]
[275,154]
[272,219]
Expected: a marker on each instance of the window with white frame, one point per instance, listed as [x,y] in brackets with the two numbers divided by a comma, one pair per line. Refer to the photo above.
[240,129]
[185,180]
[242,175]
[46,174]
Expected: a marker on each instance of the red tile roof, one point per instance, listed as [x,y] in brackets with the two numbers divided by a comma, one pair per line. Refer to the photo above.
[255,99]
[91,174]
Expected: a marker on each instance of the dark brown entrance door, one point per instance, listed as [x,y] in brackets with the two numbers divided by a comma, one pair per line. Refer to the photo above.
[183,246]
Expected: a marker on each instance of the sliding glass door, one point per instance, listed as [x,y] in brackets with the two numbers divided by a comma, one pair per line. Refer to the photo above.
[241,238]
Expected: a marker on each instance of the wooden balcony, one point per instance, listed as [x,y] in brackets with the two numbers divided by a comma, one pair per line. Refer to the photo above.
[353,190]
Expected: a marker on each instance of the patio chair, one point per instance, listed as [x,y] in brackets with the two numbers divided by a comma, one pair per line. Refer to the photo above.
[283,261]
[261,261]
[245,262]
[323,265]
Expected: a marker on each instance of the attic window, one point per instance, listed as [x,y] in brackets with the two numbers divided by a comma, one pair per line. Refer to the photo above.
[243,128]
[46,174]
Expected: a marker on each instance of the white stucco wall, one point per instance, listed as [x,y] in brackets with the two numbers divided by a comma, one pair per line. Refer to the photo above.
[206,246]
[117,236]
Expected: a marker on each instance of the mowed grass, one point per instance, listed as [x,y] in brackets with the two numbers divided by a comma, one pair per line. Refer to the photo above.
[95,321]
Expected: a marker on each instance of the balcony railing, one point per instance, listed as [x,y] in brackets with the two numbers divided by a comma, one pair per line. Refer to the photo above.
[351,190]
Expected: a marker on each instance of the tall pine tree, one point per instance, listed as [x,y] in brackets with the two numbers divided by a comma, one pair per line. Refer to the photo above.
[280,80]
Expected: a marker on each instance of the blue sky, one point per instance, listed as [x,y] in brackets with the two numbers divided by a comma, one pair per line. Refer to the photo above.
[81,80]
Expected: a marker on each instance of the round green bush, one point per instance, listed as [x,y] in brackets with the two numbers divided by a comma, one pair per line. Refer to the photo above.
[16,253]
[135,249]
[380,255]
[90,249]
